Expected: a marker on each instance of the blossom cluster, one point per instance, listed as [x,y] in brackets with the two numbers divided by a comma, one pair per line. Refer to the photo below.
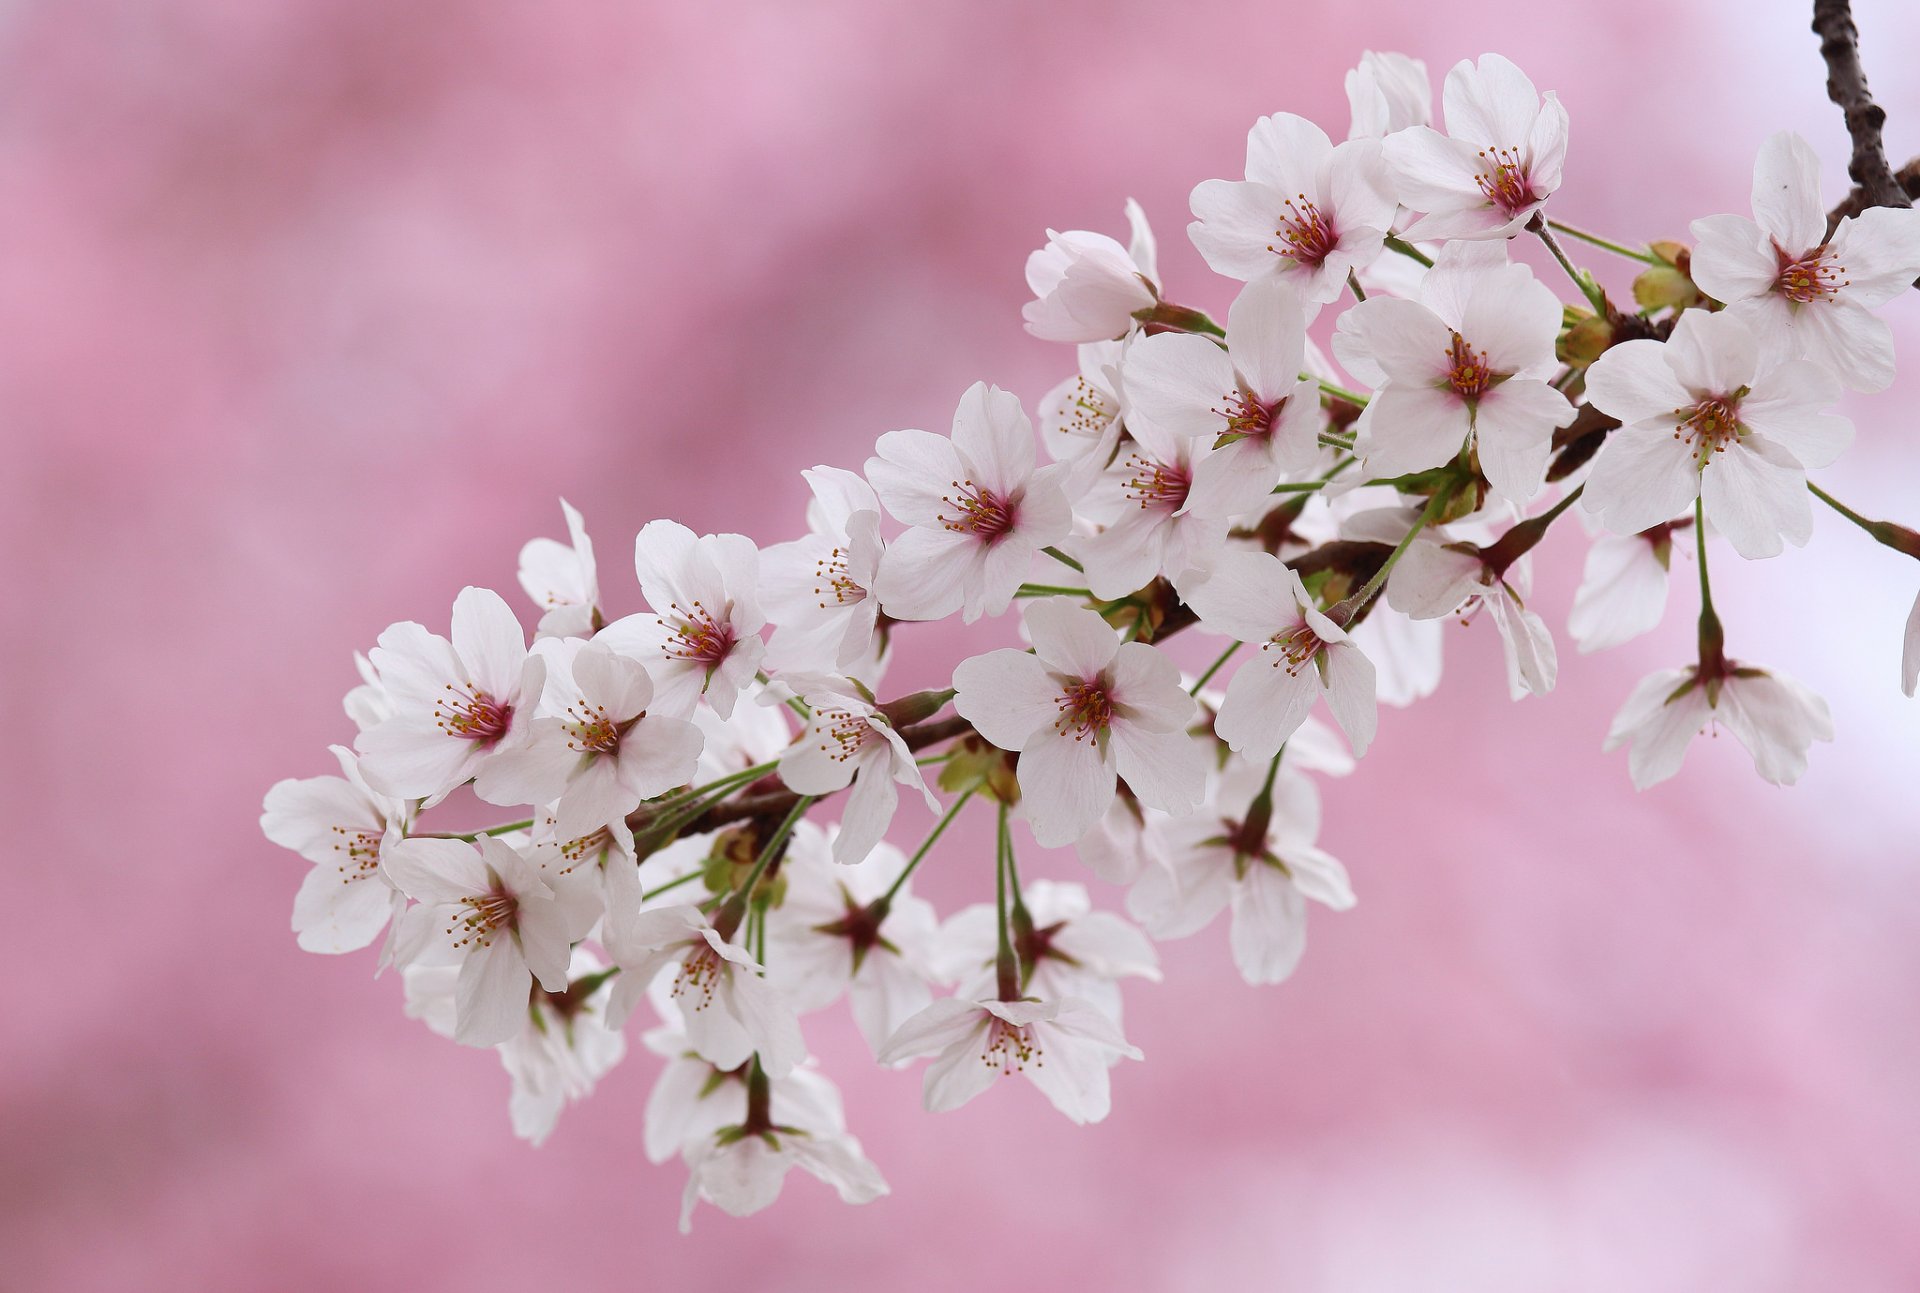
[702,790]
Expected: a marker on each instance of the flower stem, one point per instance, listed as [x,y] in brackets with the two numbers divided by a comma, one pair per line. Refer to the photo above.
[1349,610]
[735,909]
[1618,249]
[1713,639]
[1006,965]
[1180,318]
[1064,559]
[1051,590]
[1353,285]
[793,703]
[1212,669]
[1338,392]
[879,905]
[657,890]
[1897,537]
[1408,250]
[474,837]
[1589,288]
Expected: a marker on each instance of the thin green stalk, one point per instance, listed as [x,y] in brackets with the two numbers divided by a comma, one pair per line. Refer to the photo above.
[670,885]
[886,899]
[1618,249]
[1338,392]
[1212,669]
[1064,559]
[1353,285]
[1358,602]
[1410,251]
[1589,288]
[1006,965]
[735,909]
[1051,590]
[1713,638]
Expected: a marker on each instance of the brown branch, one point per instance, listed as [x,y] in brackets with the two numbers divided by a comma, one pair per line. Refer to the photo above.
[1907,177]
[1847,87]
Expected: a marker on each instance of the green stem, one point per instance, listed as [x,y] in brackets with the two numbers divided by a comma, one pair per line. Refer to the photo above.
[1005,964]
[1713,638]
[1897,537]
[1338,392]
[473,837]
[1180,318]
[886,899]
[1213,668]
[1051,590]
[1353,285]
[793,703]
[1064,559]
[1589,288]
[657,890]
[1358,602]
[1618,249]
[735,909]
[1410,251]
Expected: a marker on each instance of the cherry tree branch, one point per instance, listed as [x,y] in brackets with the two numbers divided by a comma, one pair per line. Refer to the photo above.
[1847,87]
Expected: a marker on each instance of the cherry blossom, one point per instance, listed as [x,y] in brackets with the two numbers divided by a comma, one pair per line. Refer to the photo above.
[344,828]
[1388,93]
[1623,591]
[1073,950]
[1249,402]
[1435,580]
[702,639]
[1253,597]
[563,581]
[1468,361]
[1063,1047]
[1087,287]
[1910,651]
[1081,419]
[1782,274]
[453,703]
[1498,162]
[1772,716]
[1141,503]
[1259,858]
[1309,209]
[731,1011]
[487,911]
[1083,708]
[977,506]
[818,591]
[1707,416]
[848,740]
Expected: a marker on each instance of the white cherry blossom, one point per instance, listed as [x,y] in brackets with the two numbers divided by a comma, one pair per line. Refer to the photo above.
[818,591]
[1706,415]
[1623,590]
[1435,580]
[1910,651]
[344,828]
[1497,164]
[454,704]
[977,506]
[1813,294]
[1141,503]
[1087,287]
[1309,210]
[1081,419]
[563,580]
[1303,656]
[1083,708]
[1775,718]
[1073,951]
[848,740]
[1250,403]
[703,637]
[1388,93]
[1469,361]
[1063,1047]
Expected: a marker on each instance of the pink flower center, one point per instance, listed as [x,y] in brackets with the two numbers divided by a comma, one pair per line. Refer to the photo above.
[1246,416]
[697,977]
[1306,235]
[1085,709]
[1087,412]
[1709,426]
[471,714]
[842,733]
[697,635]
[591,731]
[587,846]
[1815,276]
[836,584]
[977,511]
[481,916]
[360,853]
[1158,486]
[1293,649]
[1467,370]
[1504,180]
[1010,1047]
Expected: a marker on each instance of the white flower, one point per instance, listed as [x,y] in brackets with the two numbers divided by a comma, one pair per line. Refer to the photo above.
[750,736]
[1148,529]
[1623,591]
[825,938]
[1705,415]
[1910,651]
[1255,598]
[818,591]
[977,506]
[1406,653]
[1434,580]
[703,637]
[1780,272]
[1250,402]
[1063,1047]
[1264,870]
[454,704]
[367,705]
[562,1050]
[1309,209]
[849,740]
[344,828]
[603,752]
[1470,358]
[488,911]
[1498,162]
[1121,844]
[1081,418]
[1074,951]
[1087,287]
[740,1168]
[1388,93]
[563,581]
[731,1011]
[1081,708]
[1774,717]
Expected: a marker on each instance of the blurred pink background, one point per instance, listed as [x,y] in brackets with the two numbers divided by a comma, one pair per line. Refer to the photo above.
[311,311]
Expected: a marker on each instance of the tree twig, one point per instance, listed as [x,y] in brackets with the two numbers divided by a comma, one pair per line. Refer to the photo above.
[1847,87]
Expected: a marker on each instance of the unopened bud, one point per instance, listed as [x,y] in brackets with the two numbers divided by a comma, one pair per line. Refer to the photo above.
[1584,341]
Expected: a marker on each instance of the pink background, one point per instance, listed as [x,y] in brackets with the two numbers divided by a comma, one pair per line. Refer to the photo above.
[310,311]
